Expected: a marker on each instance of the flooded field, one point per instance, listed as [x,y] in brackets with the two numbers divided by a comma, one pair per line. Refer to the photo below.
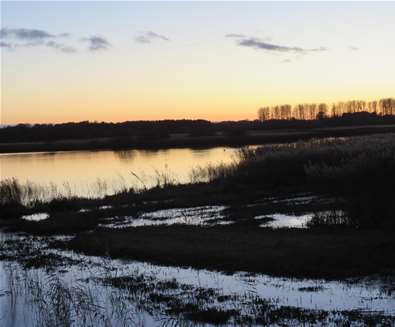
[83,290]
[202,216]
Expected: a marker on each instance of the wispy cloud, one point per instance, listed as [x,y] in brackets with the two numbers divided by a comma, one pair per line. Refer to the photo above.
[5,45]
[149,37]
[15,38]
[235,35]
[60,47]
[261,45]
[28,38]
[97,43]
[255,43]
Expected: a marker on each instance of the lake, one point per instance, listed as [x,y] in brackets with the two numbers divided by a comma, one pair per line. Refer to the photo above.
[87,173]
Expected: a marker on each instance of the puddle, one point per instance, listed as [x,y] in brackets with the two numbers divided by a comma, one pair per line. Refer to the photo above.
[197,216]
[104,207]
[36,217]
[280,220]
[22,291]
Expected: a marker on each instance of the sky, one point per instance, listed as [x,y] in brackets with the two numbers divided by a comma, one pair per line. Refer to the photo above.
[118,61]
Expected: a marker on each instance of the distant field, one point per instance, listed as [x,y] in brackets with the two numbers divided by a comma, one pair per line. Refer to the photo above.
[186,140]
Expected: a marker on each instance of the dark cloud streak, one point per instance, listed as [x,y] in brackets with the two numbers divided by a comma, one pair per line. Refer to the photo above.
[60,47]
[14,38]
[97,43]
[261,45]
[25,34]
[6,45]
[149,37]
[28,38]
[235,35]
[255,43]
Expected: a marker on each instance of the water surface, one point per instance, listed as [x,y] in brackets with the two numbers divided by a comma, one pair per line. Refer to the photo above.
[88,173]
[22,291]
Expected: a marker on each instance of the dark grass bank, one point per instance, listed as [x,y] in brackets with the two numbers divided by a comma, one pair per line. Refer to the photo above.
[328,253]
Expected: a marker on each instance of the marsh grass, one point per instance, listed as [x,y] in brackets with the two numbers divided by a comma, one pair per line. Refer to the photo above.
[359,170]
[126,300]
[322,163]
[15,192]
[52,300]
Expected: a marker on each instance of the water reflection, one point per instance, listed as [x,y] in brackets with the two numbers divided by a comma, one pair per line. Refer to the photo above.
[197,216]
[78,172]
[280,220]
[80,290]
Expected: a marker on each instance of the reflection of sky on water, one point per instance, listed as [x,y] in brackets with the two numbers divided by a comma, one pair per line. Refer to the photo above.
[365,295]
[36,217]
[280,220]
[81,170]
[197,216]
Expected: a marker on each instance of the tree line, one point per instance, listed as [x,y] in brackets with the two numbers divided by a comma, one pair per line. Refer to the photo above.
[136,130]
[150,131]
[311,111]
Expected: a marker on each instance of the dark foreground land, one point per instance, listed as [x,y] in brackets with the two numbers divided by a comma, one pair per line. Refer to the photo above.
[354,176]
[345,184]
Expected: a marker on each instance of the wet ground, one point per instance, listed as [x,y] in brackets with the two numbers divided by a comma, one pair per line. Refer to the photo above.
[42,286]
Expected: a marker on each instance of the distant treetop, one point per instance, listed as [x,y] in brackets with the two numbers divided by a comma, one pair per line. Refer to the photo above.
[309,111]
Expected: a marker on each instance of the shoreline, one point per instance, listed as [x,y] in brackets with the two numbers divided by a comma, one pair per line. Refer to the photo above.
[203,142]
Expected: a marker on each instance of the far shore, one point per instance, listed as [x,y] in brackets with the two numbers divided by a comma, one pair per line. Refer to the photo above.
[251,137]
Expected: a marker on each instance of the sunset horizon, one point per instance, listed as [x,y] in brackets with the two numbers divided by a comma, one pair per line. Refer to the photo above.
[126,61]
[213,118]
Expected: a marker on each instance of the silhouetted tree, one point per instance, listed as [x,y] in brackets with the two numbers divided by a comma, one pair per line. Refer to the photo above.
[311,111]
